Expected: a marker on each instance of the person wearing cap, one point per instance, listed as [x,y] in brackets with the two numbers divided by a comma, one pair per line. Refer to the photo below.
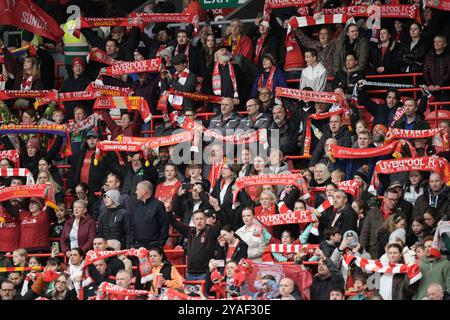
[113,182]
[83,168]
[113,223]
[374,220]
[79,230]
[271,76]
[265,42]
[183,80]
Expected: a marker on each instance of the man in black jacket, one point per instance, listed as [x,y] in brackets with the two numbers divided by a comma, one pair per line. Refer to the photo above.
[148,222]
[337,131]
[78,82]
[202,239]
[343,216]
[287,130]
[137,172]
[435,196]
[326,278]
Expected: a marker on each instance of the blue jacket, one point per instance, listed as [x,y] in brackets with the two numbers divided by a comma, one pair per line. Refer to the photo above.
[278,81]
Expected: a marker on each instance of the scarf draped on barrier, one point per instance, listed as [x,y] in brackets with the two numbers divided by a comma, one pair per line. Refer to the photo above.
[370,265]
[125,103]
[387,11]
[149,65]
[241,138]
[101,56]
[439,165]
[59,130]
[27,15]
[17,172]
[44,191]
[270,179]
[11,155]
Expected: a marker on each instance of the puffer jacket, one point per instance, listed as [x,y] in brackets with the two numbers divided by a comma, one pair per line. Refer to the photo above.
[361,48]
[113,224]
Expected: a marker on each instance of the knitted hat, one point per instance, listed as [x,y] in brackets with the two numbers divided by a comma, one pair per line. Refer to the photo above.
[114,195]
[80,61]
[167,52]
[362,174]
[399,234]
[33,143]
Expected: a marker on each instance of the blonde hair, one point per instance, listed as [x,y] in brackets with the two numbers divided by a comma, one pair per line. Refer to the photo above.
[36,71]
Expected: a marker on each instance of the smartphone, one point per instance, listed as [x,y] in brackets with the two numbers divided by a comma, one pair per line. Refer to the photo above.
[220,263]
[186,186]
[55,245]
[204,196]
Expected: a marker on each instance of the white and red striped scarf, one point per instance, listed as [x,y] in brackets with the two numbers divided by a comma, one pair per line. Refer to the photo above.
[269,82]
[351,187]
[397,115]
[27,83]
[217,80]
[292,248]
[2,82]
[412,270]
[186,52]
[177,101]
[305,21]
[17,172]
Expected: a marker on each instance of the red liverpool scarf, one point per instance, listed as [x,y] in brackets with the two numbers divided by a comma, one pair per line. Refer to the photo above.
[414,134]
[259,46]
[443,5]
[27,15]
[44,191]
[99,55]
[217,80]
[149,65]
[17,94]
[125,103]
[269,83]
[439,165]
[156,142]
[351,187]
[270,179]
[111,91]
[356,153]
[291,217]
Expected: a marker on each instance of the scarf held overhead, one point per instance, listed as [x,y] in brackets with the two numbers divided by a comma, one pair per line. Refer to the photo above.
[125,103]
[44,191]
[149,65]
[17,172]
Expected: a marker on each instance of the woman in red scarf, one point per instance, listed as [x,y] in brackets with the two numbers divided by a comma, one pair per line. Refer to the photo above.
[169,188]
[271,77]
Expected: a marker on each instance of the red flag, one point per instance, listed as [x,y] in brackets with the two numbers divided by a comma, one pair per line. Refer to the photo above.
[25,14]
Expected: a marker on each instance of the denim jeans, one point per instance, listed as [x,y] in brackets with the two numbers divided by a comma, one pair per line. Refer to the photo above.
[195,276]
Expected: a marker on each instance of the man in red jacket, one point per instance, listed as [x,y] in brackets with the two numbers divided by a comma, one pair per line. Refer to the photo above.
[239,43]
